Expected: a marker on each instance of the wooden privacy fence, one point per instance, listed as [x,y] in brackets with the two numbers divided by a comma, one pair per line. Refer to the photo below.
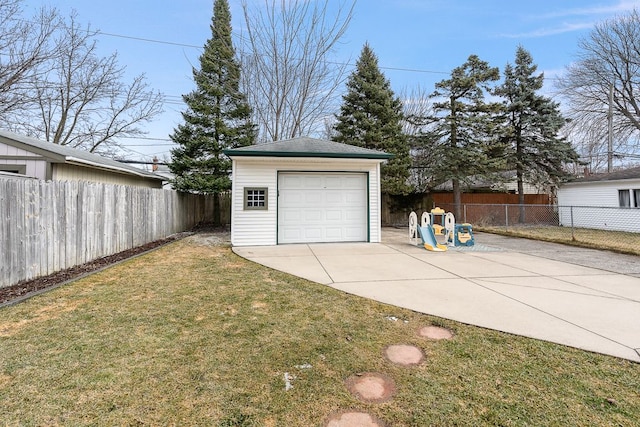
[51,226]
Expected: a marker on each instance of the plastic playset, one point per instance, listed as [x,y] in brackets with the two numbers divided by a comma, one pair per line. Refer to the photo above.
[438,230]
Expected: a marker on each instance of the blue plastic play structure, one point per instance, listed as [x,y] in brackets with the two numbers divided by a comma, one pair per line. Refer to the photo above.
[463,235]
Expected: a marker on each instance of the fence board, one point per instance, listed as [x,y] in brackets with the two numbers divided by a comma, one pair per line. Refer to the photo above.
[51,226]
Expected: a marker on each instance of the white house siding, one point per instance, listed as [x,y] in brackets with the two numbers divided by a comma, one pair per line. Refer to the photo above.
[596,205]
[66,172]
[512,186]
[259,227]
[35,165]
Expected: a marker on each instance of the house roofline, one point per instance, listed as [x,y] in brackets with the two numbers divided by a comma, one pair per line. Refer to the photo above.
[247,153]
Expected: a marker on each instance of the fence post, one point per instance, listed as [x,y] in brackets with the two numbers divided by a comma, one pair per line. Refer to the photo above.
[464,208]
[506,217]
[573,237]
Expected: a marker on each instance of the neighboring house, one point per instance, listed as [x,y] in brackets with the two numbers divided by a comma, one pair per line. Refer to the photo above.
[617,194]
[164,172]
[508,184]
[305,190]
[43,160]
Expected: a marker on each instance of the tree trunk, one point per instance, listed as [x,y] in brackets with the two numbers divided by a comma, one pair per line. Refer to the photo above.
[520,179]
[457,200]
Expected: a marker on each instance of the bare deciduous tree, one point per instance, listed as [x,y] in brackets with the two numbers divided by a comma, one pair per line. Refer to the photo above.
[75,96]
[418,126]
[24,46]
[608,58]
[289,79]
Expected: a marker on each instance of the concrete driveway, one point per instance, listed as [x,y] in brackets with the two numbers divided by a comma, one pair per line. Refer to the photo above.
[582,298]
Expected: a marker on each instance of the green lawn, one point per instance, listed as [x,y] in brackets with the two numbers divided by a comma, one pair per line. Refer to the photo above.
[194,335]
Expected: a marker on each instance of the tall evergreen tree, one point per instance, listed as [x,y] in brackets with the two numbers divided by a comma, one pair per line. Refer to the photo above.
[217,116]
[464,124]
[371,117]
[532,125]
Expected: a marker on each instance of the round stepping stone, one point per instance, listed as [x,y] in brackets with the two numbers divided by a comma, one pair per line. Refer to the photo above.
[435,333]
[371,387]
[353,419]
[404,354]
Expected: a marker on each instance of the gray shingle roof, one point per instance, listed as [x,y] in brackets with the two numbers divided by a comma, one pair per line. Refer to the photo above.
[62,154]
[307,147]
[630,173]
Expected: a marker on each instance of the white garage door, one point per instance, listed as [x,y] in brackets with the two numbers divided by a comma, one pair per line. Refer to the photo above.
[322,207]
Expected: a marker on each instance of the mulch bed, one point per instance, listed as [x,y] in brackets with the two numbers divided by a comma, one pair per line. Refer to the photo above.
[17,291]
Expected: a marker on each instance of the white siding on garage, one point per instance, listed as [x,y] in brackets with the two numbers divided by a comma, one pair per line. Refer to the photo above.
[253,227]
[603,193]
[35,165]
[259,227]
[596,205]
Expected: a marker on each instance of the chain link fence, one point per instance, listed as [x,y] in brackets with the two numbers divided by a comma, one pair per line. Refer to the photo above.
[599,227]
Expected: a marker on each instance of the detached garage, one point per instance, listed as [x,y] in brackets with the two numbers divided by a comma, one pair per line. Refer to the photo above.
[305,190]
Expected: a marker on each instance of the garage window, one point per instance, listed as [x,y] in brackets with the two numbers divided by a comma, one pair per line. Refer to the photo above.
[624,198]
[256,198]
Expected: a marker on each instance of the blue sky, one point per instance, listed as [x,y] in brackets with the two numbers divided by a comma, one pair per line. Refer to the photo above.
[418,42]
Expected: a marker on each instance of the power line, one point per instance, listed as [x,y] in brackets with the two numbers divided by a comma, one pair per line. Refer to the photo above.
[147,40]
[177,99]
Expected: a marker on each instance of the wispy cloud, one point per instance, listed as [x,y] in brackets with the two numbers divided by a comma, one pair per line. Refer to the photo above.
[621,6]
[549,31]
[575,19]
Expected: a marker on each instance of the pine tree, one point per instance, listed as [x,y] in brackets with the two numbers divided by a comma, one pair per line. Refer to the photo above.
[532,125]
[371,117]
[217,116]
[465,123]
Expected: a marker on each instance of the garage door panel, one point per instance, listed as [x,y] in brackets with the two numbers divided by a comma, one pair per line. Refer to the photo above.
[334,233]
[335,197]
[292,198]
[313,198]
[354,197]
[311,216]
[352,233]
[336,182]
[291,215]
[352,182]
[312,182]
[311,233]
[291,234]
[334,215]
[352,215]
[291,182]
[322,207]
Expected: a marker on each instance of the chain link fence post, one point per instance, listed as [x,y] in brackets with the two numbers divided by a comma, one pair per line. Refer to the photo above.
[506,217]
[573,236]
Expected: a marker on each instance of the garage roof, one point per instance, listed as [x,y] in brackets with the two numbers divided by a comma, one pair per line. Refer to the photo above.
[307,147]
[630,173]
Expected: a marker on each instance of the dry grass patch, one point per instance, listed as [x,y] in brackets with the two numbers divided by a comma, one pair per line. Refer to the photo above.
[194,335]
[618,241]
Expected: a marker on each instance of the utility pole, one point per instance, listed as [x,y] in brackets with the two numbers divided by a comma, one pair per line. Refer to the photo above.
[610,131]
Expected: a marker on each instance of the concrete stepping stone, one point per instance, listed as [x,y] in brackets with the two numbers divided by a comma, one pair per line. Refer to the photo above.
[353,419]
[435,333]
[404,354]
[371,387]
